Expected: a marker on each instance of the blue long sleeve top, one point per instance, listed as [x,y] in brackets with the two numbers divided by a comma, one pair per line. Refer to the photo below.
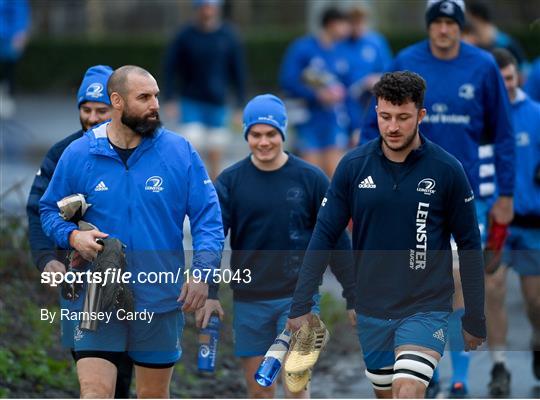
[532,86]
[468,113]
[526,121]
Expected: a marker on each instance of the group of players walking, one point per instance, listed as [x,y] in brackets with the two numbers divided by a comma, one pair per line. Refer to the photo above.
[450,146]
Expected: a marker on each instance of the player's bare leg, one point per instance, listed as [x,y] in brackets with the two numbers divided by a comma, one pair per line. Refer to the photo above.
[153,382]
[330,160]
[405,388]
[97,378]
[313,157]
[383,394]
[214,157]
[496,316]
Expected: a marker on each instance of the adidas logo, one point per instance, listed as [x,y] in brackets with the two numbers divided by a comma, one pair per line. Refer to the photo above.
[101,187]
[439,335]
[367,183]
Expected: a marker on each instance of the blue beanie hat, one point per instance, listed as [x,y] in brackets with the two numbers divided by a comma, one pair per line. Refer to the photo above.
[199,3]
[454,9]
[266,109]
[94,85]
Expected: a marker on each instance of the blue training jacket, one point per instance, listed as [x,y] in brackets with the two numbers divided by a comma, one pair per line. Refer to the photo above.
[14,19]
[532,86]
[327,66]
[468,113]
[143,205]
[526,120]
[367,55]
[403,215]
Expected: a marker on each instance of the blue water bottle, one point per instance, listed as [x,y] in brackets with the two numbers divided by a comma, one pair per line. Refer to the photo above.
[208,343]
[273,359]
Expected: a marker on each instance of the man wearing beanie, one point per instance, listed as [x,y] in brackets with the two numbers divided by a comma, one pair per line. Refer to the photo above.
[468,115]
[94,108]
[269,203]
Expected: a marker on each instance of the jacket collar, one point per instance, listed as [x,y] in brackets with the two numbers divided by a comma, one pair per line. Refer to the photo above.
[521,96]
[100,145]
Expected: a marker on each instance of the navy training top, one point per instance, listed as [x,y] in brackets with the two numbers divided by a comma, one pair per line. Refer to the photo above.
[402,222]
[271,216]
[43,247]
[203,66]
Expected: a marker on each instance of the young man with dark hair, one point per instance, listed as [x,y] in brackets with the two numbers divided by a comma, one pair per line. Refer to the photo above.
[269,203]
[142,181]
[523,244]
[468,115]
[312,75]
[421,196]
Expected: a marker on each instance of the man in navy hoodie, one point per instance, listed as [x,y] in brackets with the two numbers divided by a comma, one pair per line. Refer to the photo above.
[142,181]
[406,197]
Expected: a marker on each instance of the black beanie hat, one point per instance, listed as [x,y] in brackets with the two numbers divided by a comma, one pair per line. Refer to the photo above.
[454,9]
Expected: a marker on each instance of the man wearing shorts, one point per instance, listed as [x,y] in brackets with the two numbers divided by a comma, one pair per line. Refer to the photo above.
[204,61]
[406,197]
[312,75]
[142,181]
[468,115]
[94,108]
[269,203]
[523,244]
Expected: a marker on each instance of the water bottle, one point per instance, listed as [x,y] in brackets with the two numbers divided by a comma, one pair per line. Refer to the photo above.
[208,342]
[271,364]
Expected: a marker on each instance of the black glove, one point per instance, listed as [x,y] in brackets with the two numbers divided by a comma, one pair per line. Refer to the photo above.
[114,295]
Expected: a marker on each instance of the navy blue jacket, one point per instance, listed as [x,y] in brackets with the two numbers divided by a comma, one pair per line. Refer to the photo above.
[204,65]
[271,216]
[403,216]
[43,248]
